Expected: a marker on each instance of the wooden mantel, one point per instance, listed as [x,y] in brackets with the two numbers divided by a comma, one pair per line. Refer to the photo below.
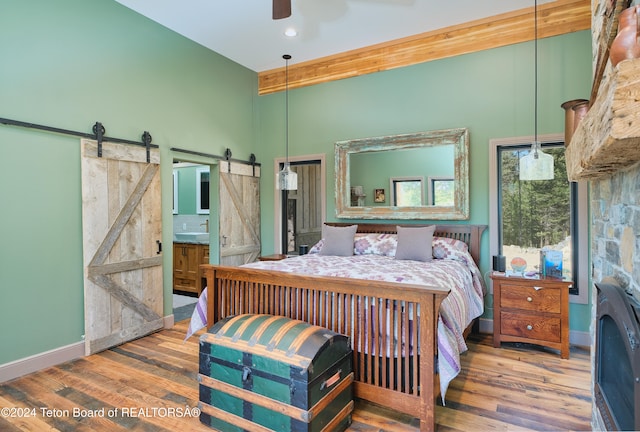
[607,140]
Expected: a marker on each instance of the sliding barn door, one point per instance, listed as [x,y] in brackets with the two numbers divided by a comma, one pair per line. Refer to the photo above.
[239,214]
[121,231]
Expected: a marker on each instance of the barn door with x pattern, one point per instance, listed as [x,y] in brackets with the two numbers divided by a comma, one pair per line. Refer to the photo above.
[239,213]
[121,231]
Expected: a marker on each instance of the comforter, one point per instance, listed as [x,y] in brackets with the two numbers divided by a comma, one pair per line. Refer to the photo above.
[457,272]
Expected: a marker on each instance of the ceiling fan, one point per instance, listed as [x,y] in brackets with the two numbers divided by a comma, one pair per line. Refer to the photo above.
[281,9]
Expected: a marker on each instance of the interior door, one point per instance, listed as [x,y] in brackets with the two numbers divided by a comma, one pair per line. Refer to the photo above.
[121,231]
[239,213]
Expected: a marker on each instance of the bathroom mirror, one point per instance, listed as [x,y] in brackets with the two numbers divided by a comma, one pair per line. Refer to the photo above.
[366,165]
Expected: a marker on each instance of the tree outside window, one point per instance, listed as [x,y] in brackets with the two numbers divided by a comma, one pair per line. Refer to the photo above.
[534,214]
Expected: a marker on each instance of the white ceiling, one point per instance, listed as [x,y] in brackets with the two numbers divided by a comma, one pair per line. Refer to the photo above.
[243,30]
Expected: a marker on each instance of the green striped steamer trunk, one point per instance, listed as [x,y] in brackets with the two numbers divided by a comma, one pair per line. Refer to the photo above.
[272,373]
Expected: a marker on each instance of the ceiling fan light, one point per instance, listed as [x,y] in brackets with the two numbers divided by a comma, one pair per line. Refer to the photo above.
[291,32]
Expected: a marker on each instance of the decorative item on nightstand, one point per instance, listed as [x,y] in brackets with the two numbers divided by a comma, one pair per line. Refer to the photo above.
[519,265]
[551,263]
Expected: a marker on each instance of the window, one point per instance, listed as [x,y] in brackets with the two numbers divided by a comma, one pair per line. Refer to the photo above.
[202,190]
[527,216]
[407,191]
[441,191]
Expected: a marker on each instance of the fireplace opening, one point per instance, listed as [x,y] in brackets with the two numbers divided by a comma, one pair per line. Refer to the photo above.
[617,359]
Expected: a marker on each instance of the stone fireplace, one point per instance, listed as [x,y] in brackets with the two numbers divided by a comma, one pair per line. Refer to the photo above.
[615,211]
[605,151]
[617,359]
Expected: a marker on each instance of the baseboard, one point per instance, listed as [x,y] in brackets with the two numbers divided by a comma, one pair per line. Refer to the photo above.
[168,321]
[580,338]
[27,365]
[485,325]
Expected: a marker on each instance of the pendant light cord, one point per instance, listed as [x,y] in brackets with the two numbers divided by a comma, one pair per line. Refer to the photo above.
[286,104]
[535,79]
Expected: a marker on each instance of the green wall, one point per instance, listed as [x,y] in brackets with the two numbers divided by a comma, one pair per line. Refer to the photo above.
[489,92]
[70,63]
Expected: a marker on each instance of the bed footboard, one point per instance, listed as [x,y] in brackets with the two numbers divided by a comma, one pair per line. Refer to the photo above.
[392,326]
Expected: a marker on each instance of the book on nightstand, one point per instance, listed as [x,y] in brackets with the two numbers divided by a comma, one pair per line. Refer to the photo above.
[551,263]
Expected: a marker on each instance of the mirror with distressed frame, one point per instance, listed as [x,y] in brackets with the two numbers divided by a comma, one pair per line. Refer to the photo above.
[360,159]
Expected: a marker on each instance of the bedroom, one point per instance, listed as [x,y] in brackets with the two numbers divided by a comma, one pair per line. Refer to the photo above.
[72,65]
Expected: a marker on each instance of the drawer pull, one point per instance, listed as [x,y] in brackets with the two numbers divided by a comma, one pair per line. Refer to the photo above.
[529,327]
[537,288]
[529,299]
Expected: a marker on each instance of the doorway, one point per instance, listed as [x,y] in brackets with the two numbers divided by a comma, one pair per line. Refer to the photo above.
[299,214]
[194,208]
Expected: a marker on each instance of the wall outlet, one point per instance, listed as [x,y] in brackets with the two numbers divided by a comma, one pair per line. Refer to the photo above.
[184,226]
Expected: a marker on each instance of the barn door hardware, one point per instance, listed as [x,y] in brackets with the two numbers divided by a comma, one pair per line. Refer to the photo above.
[146,139]
[217,157]
[227,156]
[98,131]
[252,160]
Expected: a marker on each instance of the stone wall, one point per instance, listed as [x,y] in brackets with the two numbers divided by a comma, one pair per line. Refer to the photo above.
[615,243]
[615,230]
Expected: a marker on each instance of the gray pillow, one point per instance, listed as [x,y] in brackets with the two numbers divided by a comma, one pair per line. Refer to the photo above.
[338,240]
[415,243]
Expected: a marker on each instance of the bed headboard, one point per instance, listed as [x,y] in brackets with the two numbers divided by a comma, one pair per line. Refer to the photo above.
[470,234]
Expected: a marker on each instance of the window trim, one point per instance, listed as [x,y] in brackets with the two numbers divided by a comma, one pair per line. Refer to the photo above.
[581,211]
[392,187]
[199,171]
[175,191]
[431,187]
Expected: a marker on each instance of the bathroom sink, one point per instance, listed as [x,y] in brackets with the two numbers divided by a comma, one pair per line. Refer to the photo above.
[192,236]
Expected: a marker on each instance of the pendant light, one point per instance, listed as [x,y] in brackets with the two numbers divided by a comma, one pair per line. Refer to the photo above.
[537,165]
[287,179]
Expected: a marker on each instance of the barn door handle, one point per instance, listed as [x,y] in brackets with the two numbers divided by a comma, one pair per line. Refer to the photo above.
[159,243]
[224,240]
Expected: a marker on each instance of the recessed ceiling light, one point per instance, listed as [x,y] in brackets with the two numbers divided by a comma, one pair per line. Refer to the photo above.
[291,32]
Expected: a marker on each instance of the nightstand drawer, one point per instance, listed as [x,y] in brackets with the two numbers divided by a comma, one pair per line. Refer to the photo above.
[544,328]
[182,283]
[543,299]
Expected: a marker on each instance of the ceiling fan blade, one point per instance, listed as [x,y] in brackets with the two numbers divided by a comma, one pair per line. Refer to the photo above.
[281,9]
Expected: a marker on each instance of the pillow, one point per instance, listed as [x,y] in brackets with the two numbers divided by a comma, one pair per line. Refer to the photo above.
[338,241]
[316,247]
[375,244]
[444,247]
[415,243]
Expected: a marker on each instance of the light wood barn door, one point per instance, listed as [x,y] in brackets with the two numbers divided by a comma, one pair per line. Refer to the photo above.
[239,214]
[121,231]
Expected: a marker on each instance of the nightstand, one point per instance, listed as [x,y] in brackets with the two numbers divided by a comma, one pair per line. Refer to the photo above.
[532,311]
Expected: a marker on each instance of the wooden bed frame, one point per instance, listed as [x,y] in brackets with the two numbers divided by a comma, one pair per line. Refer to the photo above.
[361,309]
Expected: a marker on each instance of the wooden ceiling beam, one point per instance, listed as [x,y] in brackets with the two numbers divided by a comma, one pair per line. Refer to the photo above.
[555,18]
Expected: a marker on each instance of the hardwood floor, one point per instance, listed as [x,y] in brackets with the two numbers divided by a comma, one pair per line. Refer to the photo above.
[150,385]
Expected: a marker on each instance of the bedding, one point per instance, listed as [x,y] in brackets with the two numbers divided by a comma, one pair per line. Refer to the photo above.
[374,258]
